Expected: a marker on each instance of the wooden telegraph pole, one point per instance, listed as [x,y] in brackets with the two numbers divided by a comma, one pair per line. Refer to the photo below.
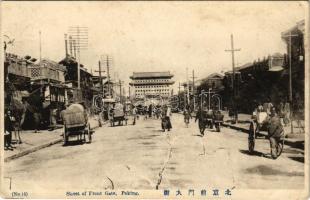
[120,83]
[193,89]
[80,36]
[232,50]
[179,94]
[290,78]
[107,61]
[187,80]
[100,77]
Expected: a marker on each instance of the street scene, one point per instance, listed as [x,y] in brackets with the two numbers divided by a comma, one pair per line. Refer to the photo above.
[194,110]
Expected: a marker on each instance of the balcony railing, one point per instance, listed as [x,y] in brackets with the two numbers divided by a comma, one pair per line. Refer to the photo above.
[46,73]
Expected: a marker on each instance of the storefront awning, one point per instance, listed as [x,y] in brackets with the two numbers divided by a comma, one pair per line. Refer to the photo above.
[276,69]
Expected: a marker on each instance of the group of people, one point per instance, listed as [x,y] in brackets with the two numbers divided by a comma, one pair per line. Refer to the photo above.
[154,111]
[282,110]
[274,118]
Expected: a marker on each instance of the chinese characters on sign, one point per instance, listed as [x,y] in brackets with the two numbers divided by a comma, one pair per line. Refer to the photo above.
[203,192]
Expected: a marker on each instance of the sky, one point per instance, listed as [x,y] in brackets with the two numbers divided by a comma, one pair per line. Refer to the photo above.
[154,36]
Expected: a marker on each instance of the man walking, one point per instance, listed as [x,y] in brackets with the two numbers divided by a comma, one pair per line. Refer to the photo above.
[134,114]
[8,123]
[168,115]
[187,116]
[275,133]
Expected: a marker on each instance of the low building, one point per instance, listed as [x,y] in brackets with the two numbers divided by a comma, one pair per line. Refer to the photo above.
[107,86]
[151,84]
[87,89]
[17,76]
[188,86]
[41,84]
[294,39]
[213,81]
[48,89]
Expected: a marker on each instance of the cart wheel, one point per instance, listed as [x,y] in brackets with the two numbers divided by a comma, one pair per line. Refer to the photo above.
[65,137]
[251,138]
[89,134]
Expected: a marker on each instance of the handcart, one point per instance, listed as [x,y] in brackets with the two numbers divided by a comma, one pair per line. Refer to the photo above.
[76,123]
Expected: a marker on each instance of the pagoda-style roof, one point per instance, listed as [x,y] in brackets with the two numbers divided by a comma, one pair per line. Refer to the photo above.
[150,75]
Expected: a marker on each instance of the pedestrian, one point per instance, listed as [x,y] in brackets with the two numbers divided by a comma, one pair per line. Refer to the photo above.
[275,134]
[158,112]
[8,126]
[150,110]
[201,117]
[270,107]
[134,114]
[260,107]
[168,117]
[287,113]
[145,112]
[37,121]
[187,116]
[265,107]
[53,118]
[280,111]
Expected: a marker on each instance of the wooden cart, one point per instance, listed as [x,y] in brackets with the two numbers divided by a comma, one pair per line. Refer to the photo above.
[118,115]
[76,123]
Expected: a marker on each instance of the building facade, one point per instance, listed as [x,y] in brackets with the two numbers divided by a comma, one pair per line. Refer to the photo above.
[87,89]
[151,84]
[294,39]
[39,85]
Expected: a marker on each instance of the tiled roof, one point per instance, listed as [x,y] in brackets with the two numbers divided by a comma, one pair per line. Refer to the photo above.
[151,74]
[52,64]
[215,75]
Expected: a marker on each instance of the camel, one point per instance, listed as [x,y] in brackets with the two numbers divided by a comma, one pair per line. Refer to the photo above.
[18,112]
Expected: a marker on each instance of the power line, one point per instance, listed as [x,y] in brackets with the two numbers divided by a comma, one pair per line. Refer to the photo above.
[79,34]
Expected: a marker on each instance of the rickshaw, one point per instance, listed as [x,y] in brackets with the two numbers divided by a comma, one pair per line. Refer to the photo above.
[75,123]
[259,123]
[118,115]
[209,117]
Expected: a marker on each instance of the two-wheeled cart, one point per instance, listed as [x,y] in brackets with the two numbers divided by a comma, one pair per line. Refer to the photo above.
[118,115]
[259,123]
[76,123]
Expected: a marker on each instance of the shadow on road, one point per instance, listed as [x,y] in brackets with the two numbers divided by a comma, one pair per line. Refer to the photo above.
[296,144]
[239,121]
[149,127]
[74,143]
[255,153]
[270,171]
[158,130]
[213,131]
[198,135]
[298,159]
